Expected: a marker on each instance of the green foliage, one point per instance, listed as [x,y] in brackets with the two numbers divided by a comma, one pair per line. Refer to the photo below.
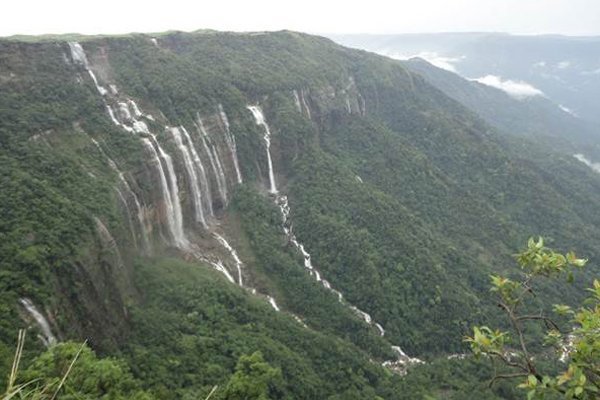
[71,371]
[254,379]
[580,345]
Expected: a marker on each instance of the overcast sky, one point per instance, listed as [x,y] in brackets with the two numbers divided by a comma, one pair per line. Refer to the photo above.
[570,17]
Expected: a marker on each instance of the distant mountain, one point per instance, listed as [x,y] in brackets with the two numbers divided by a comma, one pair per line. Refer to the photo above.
[534,117]
[564,69]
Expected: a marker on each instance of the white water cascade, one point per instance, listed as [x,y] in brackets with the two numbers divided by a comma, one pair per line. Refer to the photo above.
[78,55]
[260,121]
[230,139]
[191,172]
[213,157]
[170,193]
[402,359]
[47,337]
[305,104]
[274,304]
[201,172]
[218,265]
[131,194]
[234,255]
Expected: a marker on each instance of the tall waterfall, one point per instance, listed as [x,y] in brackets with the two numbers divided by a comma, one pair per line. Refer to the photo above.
[234,255]
[131,194]
[201,172]
[305,104]
[213,157]
[260,120]
[79,57]
[191,172]
[170,193]
[47,337]
[230,139]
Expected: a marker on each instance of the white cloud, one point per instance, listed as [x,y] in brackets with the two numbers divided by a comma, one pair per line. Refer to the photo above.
[594,72]
[594,166]
[563,65]
[431,57]
[573,17]
[540,64]
[567,110]
[517,89]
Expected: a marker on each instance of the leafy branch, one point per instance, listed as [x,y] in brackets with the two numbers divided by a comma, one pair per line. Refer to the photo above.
[580,344]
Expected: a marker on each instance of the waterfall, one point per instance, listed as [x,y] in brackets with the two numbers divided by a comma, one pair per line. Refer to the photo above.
[348,106]
[109,241]
[131,194]
[47,336]
[124,111]
[170,194]
[218,265]
[260,120]
[135,108]
[273,303]
[213,157]
[402,359]
[112,116]
[79,57]
[192,177]
[234,255]
[204,185]
[284,208]
[305,104]
[129,219]
[297,101]
[230,139]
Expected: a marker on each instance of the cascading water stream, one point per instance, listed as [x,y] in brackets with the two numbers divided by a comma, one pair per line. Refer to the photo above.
[234,255]
[284,208]
[260,121]
[131,194]
[213,157]
[274,304]
[78,55]
[305,104]
[191,172]
[230,139]
[47,337]
[201,172]
[174,217]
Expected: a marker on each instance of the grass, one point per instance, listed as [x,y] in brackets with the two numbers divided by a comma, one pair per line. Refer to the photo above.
[23,391]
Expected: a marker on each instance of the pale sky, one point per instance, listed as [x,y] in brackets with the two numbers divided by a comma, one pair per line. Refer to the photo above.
[569,17]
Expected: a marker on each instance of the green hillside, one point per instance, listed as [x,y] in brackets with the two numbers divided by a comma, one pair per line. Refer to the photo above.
[121,171]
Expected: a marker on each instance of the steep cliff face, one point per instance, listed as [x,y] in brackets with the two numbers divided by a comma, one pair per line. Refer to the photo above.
[328,184]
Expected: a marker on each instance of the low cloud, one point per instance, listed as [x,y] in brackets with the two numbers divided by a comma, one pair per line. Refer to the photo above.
[567,110]
[594,166]
[517,89]
[443,62]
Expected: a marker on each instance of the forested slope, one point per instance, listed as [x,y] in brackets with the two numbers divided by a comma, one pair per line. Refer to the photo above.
[181,200]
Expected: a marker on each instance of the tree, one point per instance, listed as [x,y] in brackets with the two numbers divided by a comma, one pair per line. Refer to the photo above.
[578,346]
[71,371]
[254,379]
